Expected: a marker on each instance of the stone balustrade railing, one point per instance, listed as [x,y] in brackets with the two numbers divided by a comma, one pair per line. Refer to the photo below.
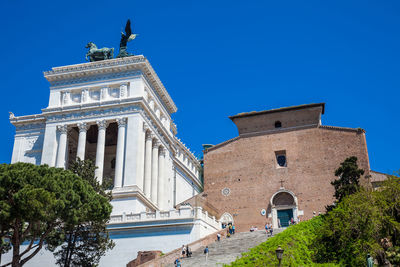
[185,212]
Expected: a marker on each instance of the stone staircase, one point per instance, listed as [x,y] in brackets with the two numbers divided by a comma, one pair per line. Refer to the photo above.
[227,250]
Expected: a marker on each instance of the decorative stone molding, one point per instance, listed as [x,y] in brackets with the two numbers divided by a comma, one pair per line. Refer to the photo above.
[110,69]
[79,115]
[85,95]
[156,143]
[123,90]
[162,150]
[66,97]
[145,127]
[102,124]
[226,191]
[149,136]
[62,128]
[104,93]
[121,122]
[83,126]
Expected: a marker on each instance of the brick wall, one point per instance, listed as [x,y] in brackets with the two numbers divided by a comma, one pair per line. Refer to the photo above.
[248,167]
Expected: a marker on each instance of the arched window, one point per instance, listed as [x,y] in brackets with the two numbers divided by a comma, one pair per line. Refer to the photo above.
[278,124]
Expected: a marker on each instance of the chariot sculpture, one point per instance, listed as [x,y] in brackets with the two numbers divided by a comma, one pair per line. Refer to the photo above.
[96,54]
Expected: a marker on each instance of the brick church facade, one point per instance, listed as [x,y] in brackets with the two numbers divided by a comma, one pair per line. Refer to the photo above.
[279,166]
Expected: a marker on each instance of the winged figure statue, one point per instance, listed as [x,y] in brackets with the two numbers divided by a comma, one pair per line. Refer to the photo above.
[125,38]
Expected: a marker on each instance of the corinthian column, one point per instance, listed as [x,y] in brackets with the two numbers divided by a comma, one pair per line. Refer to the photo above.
[147,165]
[62,146]
[161,181]
[101,142]
[82,140]
[119,160]
[154,171]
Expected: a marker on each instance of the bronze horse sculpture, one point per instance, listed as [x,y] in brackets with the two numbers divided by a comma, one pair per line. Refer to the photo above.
[96,54]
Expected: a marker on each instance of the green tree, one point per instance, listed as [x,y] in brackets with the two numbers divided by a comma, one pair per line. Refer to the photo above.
[351,230]
[364,222]
[85,240]
[37,201]
[349,178]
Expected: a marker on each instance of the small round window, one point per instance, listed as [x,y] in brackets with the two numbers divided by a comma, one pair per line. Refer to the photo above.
[278,124]
[281,160]
[226,191]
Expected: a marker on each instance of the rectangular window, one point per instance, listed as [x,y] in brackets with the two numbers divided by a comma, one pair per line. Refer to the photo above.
[281,160]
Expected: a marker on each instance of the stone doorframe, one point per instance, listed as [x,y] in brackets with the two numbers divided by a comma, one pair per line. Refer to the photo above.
[274,209]
[226,218]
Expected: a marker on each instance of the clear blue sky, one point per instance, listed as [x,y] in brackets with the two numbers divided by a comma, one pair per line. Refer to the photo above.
[219,58]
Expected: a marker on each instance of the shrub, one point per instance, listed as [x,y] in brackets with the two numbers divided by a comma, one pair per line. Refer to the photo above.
[297,241]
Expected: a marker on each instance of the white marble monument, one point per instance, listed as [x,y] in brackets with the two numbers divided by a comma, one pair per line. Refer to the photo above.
[118,113]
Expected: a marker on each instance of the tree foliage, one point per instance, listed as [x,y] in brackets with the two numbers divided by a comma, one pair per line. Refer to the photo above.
[37,201]
[85,240]
[349,176]
[364,222]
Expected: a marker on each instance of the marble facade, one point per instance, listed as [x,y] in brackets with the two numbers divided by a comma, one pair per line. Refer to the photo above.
[117,113]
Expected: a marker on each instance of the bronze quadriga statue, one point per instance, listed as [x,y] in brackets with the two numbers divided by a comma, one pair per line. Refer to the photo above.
[96,54]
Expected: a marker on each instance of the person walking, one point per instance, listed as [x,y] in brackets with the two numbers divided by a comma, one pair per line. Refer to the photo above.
[188,252]
[219,237]
[177,263]
[183,251]
[206,253]
[233,229]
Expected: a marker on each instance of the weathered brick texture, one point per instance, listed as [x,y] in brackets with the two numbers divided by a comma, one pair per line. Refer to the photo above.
[247,165]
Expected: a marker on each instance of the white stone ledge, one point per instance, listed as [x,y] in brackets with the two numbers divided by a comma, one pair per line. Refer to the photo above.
[183,213]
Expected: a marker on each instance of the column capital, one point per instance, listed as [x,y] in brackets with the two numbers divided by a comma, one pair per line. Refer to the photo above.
[149,136]
[162,150]
[121,122]
[83,126]
[145,127]
[156,143]
[102,124]
[62,128]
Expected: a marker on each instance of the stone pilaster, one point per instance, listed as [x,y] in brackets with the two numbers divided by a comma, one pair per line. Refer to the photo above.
[119,161]
[123,90]
[62,146]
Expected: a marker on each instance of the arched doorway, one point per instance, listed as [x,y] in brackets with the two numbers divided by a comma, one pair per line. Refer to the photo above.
[226,219]
[283,208]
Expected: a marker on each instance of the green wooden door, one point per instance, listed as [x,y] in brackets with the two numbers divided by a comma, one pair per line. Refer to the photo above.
[284,216]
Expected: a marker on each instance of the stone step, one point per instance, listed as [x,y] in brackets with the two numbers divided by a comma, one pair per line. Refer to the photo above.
[227,250]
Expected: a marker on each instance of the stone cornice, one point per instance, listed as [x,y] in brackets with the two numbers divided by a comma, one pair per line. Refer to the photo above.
[344,129]
[133,191]
[60,75]
[189,153]
[31,119]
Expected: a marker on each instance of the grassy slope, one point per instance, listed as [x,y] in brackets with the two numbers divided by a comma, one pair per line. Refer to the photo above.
[296,241]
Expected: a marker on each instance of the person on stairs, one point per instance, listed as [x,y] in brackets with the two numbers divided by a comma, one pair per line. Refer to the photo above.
[177,263]
[183,251]
[188,252]
[206,253]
